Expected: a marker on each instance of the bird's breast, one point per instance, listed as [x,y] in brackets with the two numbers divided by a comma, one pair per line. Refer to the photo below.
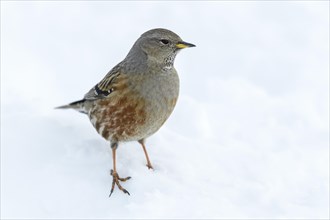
[160,93]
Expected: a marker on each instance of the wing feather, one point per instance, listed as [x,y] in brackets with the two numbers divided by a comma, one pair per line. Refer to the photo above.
[105,86]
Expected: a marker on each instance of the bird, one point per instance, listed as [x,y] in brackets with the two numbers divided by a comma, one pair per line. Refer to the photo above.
[136,96]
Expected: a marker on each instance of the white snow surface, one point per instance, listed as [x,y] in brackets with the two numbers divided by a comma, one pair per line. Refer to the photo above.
[249,137]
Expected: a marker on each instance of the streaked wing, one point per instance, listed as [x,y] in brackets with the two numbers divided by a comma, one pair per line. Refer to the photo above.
[105,86]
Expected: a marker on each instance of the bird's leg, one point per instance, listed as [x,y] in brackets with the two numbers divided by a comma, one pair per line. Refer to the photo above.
[146,154]
[114,174]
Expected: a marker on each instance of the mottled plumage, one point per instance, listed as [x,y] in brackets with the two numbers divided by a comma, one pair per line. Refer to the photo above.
[137,96]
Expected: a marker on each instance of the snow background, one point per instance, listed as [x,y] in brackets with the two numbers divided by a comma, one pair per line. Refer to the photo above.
[249,137]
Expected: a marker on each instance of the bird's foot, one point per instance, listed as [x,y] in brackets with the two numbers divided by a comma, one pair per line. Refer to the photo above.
[115,181]
[149,166]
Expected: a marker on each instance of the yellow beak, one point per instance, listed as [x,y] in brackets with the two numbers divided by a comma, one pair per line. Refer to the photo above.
[182,44]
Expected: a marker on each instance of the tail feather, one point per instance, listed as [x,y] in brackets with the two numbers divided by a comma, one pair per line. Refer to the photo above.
[78,106]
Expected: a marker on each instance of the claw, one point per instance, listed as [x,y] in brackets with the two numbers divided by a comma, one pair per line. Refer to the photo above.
[125,191]
[124,179]
[115,181]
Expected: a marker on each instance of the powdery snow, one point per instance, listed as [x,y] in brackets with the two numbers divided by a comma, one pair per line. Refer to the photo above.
[249,137]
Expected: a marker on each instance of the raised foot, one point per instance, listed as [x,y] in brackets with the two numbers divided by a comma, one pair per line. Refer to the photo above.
[115,181]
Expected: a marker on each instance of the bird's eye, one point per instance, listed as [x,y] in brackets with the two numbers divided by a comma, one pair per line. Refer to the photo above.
[163,41]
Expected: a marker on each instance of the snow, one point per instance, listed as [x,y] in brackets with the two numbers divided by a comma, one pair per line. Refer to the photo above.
[249,137]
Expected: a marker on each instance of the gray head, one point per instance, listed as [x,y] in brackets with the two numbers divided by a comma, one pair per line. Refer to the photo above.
[157,47]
